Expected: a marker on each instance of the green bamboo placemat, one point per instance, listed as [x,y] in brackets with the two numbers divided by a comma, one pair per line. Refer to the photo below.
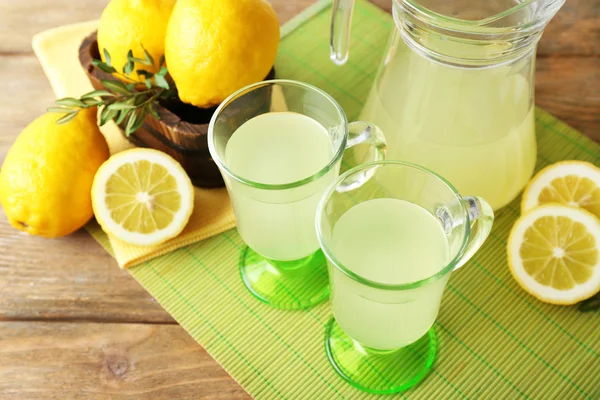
[495,341]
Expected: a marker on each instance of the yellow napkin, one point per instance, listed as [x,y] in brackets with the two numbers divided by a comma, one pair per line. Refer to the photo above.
[58,52]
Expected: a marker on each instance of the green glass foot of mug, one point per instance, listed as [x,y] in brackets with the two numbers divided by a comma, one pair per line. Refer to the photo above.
[290,285]
[380,372]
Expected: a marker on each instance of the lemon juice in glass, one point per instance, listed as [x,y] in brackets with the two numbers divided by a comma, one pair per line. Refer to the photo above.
[279,145]
[391,242]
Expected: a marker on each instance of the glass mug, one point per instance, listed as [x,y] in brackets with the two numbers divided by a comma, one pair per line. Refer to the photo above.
[282,264]
[389,266]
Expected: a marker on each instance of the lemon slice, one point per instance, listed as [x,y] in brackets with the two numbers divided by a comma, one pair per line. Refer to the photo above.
[554,253]
[142,197]
[576,183]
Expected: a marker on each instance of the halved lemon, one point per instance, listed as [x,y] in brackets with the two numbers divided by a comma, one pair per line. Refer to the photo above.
[554,253]
[142,197]
[576,183]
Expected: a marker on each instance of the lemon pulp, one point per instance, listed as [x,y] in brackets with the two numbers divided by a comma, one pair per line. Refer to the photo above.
[559,252]
[554,253]
[143,197]
[573,190]
[572,182]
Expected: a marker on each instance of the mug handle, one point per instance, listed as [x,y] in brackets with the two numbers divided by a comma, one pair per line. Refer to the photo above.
[481,218]
[361,132]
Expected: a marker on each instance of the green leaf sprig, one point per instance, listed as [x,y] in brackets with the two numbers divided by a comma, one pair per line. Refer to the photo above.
[122,102]
[591,304]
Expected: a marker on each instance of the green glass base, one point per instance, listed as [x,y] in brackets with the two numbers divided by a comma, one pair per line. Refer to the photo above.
[380,372]
[290,285]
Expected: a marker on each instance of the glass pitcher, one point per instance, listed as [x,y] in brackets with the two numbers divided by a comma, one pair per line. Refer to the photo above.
[455,90]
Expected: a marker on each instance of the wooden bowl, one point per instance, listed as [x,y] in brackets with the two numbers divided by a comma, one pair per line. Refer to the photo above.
[181,132]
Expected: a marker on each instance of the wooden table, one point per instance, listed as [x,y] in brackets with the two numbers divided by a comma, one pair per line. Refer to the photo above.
[73,325]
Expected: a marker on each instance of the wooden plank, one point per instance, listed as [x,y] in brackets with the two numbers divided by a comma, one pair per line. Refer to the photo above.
[27,95]
[569,88]
[20,20]
[42,360]
[71,278]
[575,30]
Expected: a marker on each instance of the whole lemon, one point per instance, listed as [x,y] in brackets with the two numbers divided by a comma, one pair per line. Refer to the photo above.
[134,25]
[215,47]
[46,178]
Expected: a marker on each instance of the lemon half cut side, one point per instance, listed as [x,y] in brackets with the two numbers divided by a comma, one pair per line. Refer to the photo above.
[142,197]
[554,253]
[575,183]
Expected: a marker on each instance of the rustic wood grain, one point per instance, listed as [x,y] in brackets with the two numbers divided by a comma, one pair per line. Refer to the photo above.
[27,93]
[44,282]
[575,30]
[71,278]
[20,20]
[45,360]
[569,88]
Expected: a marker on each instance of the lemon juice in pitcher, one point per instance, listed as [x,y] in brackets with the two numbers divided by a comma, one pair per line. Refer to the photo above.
[455,90]
[474,127]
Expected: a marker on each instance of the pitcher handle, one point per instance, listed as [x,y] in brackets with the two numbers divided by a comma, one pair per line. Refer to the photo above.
[361,132]
[481,217]
[341,19]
